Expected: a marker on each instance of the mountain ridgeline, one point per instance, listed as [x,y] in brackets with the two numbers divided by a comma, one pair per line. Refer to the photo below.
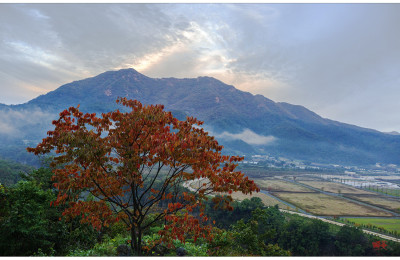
[245,124]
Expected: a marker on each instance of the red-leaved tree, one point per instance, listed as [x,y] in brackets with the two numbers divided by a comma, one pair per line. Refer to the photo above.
[131,162]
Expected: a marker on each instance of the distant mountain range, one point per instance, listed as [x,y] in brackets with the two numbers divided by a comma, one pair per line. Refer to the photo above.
[245,124]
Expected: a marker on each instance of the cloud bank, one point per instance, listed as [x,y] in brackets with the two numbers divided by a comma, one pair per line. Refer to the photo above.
[249,137]
[17,124]
[339,60]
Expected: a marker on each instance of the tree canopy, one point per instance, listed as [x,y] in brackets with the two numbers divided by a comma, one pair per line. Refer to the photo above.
[131,162]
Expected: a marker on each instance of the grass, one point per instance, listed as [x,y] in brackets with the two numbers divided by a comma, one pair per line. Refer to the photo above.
[267,200]
[392,192]
[335,187]
[324,205]
[265,184]
[388,224]
[380,201]
[278,185]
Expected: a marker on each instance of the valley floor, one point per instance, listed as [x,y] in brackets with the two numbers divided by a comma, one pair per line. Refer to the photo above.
[342,224]
[314,195]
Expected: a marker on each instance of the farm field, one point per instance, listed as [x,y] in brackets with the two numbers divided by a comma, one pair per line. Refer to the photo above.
[388,224]
[317,203]
[335,187]
[392,192]
[279,185]
[198,183]
[267,200]
[324,205]
[380,201]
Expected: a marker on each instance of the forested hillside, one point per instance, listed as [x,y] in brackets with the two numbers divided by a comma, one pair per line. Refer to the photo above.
[10,171]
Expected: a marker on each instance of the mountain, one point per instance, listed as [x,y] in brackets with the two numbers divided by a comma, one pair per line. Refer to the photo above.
[242,122]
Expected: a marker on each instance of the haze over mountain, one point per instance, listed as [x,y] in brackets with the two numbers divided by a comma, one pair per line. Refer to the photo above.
[244,123]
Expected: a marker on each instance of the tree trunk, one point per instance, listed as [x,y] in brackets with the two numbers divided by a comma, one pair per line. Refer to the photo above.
[136,242]
[139,241]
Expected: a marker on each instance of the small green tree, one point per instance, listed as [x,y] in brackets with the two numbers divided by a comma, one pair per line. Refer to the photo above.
[41,177]
[351,241]
[250,242]
[241,210]
[25,229]
[3,202]
[305,237]
[270,222]
[257,236]
[29,225]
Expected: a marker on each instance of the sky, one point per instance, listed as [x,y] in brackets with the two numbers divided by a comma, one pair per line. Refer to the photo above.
[341,61]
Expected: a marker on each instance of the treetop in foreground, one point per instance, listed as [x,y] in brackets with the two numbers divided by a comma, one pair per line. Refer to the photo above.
[135,164]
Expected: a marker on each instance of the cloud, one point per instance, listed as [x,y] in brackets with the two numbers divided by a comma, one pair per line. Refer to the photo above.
[322,56]
[6,128]
[248,136]
[174,40]
[17,123]
[47,45]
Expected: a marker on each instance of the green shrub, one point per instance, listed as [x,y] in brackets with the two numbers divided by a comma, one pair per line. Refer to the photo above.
[106,248]
[193,249]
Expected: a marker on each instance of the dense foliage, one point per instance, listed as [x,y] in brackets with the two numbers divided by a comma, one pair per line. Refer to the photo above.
[29,225]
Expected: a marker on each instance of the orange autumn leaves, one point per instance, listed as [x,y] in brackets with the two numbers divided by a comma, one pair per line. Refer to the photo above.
[119,157]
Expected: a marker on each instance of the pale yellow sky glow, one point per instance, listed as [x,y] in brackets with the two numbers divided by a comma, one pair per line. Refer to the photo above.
[36,89]
[145,63]
[211,60]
